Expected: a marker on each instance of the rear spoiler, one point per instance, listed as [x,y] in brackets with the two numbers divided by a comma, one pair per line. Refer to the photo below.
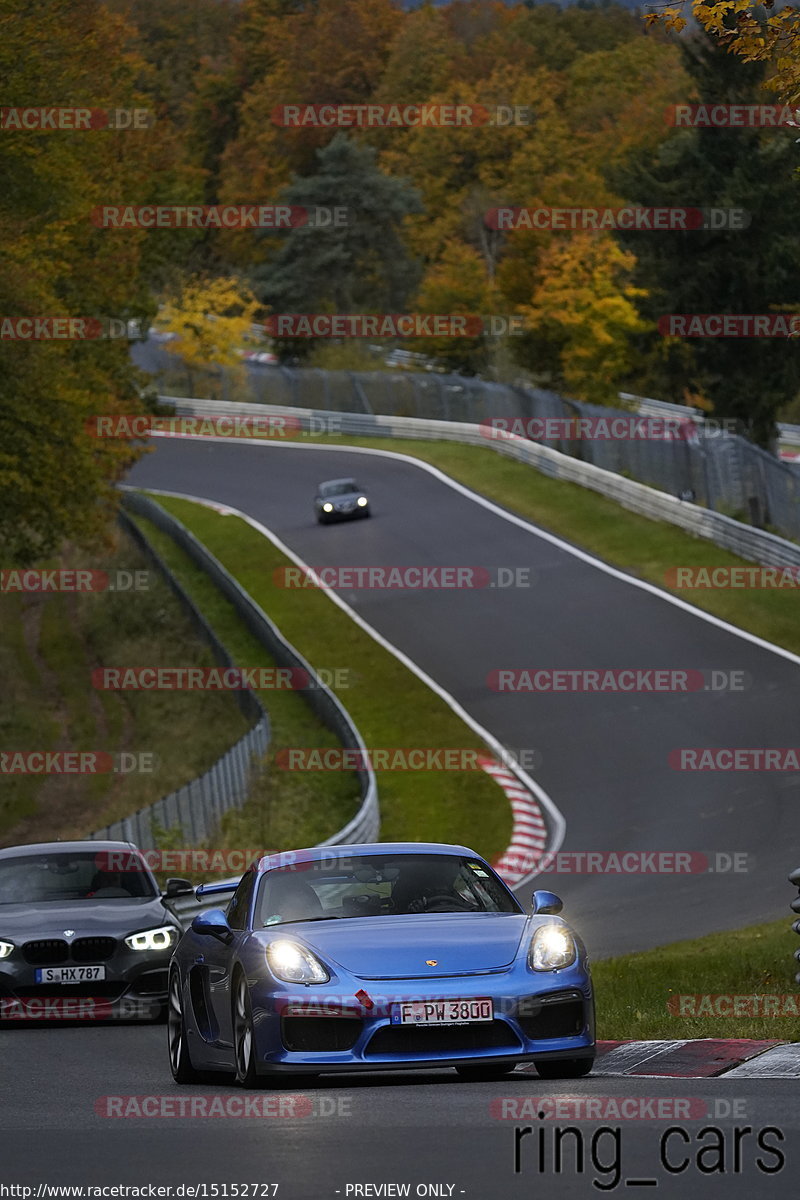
[212,889]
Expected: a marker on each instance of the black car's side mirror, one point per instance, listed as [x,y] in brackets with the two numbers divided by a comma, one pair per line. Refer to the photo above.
[178,887]
[213,923]
[545,904]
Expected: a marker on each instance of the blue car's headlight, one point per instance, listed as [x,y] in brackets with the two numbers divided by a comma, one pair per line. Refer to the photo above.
[153,939]
[552,947]
[293,963]
[5,949]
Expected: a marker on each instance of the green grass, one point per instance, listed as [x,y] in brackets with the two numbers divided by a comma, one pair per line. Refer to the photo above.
[646,549]
[633,992]
[285,809]
[49,644]
[390,706]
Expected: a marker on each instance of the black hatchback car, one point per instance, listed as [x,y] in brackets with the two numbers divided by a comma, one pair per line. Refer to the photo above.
[340,500]
[85,932]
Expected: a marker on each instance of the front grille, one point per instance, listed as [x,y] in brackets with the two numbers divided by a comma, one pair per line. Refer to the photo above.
[47,952]
[320,1033]
[428,1041]
[555,1016]
[93,949]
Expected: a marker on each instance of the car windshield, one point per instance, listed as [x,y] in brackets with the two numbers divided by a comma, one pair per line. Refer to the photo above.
[380,885]
[339,487]
[74,875]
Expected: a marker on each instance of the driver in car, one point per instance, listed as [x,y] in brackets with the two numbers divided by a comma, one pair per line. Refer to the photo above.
[429,887]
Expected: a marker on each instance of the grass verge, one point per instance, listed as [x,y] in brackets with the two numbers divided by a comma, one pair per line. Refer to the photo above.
[643,995]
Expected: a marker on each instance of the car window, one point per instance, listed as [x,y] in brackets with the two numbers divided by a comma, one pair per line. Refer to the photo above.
[381,885]
[239,906]
[73,875]
[343,488]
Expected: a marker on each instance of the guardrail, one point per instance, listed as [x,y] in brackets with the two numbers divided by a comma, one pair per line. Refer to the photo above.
[788,435]
[365,825]
[756,545]
[198,806]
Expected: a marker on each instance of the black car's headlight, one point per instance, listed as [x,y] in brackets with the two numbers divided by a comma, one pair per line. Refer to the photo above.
[293,963]
[161,938]
[5,949]
[327,508]
[362,501]
[552,947]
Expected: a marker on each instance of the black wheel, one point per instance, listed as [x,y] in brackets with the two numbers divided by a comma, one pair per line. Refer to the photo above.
[485,1071]
[179,1059]
[564,1068]
[243,1040]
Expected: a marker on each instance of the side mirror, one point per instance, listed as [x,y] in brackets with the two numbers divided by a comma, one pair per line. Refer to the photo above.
[178,887]
[545,904]
[213,923]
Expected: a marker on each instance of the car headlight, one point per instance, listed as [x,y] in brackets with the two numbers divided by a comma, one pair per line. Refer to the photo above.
[552,947]
[5,949]
[153,939]
[362,502]
[327,508]
[292,963]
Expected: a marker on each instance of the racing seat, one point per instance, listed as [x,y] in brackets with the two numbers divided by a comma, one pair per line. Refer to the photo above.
[289,898]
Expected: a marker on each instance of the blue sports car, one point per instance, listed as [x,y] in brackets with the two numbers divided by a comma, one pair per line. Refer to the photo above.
[378,957]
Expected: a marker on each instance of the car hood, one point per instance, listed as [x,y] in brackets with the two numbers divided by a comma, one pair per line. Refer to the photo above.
[399,947]
[89,918]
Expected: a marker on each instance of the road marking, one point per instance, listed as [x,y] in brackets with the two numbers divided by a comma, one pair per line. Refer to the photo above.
[533,789]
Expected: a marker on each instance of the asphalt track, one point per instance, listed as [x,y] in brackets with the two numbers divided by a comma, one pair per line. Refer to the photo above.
[603,758]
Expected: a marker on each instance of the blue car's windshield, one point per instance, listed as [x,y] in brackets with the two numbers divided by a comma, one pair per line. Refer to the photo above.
[74,875]
[380,885]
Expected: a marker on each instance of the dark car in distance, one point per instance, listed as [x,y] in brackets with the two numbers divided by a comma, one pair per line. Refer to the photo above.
[340,500]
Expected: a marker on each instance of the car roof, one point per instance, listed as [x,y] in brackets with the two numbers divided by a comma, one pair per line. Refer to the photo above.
[317,853]
[62,847]
[328,482]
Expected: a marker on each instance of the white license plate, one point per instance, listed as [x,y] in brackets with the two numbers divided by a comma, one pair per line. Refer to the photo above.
[443,1012]
[70,974]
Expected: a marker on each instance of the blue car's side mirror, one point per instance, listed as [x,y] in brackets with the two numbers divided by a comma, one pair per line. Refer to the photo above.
[214,923]
[545,904]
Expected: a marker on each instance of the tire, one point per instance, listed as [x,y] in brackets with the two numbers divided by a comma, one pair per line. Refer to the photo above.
[180,1061]
[564,1068]
[243,1040]
[483,1072]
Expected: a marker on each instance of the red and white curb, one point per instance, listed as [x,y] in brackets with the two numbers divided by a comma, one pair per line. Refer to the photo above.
[700,1058]
[529,835]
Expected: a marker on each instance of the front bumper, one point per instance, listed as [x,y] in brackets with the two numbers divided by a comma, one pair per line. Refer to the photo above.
[135,988]
[299,1029]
